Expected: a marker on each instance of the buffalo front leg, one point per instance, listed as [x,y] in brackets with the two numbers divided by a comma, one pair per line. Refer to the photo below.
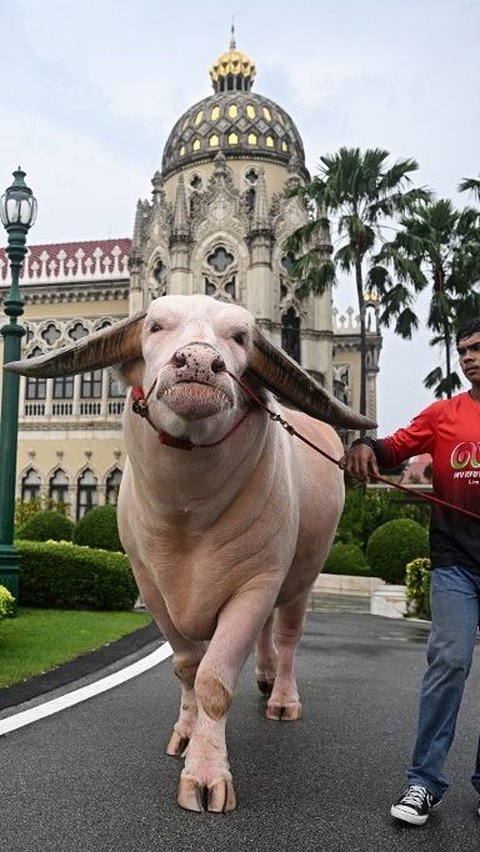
[186,659]
[185,665]
[206,783]
[284,702]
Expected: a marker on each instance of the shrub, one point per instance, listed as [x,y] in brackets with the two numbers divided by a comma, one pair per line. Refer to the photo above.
[43,526]
[98,528]
[61,575]
[417,580]
[366,510]
[350,525]
[346,558]
[394,544]
[7,602]
[24,509]
[382,506]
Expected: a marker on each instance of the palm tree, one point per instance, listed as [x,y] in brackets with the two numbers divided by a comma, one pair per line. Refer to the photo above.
[437,247]
[362,192]
[470,185]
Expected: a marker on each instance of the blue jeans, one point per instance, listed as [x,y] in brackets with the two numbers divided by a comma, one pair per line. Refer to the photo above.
[455,603]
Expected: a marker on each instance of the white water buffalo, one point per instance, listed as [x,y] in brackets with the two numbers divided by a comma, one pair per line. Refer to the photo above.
[226,518]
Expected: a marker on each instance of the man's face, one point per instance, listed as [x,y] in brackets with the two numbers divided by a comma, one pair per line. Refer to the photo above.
[469,353]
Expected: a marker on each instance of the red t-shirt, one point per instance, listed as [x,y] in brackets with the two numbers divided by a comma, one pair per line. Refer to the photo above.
[450,431]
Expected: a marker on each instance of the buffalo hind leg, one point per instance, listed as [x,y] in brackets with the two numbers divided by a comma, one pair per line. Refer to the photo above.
[284,702]
[266,658]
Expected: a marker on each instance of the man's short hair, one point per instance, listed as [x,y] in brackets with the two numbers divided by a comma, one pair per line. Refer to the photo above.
[468,328]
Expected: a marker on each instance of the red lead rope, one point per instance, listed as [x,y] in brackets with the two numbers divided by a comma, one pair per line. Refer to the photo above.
[291,431]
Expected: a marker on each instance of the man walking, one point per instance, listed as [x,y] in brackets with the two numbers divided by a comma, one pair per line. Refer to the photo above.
[450,431]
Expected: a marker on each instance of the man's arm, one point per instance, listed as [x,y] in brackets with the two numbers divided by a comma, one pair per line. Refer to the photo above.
[365,454]
[360,460]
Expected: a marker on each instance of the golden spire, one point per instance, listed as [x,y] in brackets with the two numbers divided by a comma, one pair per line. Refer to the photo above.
[233,70]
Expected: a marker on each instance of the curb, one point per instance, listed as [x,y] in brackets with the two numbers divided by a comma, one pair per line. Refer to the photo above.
[85,664]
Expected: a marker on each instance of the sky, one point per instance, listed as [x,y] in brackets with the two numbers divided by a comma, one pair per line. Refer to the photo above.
[91,91]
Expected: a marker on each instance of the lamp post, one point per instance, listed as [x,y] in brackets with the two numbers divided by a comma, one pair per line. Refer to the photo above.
[18,210]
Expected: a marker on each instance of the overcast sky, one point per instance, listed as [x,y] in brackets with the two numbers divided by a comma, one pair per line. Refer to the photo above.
[91,90]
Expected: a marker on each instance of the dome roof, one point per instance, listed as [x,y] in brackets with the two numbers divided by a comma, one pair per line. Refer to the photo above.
[235,121]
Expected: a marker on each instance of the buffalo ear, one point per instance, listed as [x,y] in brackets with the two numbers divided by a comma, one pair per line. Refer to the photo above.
[273,368]
[131,372]
[104,348]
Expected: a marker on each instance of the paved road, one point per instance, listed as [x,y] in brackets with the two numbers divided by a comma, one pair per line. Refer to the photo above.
[94,778]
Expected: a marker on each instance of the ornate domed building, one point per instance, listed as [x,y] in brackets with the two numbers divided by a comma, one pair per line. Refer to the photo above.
[220,217]
[217,223]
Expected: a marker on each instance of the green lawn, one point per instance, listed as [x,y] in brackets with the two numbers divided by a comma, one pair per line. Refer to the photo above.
[42,639]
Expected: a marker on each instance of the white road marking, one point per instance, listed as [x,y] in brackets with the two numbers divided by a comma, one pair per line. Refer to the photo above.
[48,708]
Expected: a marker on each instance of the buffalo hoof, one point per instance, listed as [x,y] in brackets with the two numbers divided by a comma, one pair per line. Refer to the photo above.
[217,798]
[265,686]
[288,712]
[177,745]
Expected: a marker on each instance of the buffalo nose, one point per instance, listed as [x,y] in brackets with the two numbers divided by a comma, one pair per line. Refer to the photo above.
[179,359]
[218,364]
[196,358]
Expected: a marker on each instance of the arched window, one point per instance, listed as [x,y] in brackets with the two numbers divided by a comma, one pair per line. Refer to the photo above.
[288,262]
[220,272]
[58,486]
[291,334]
[91,385]
[249,199]
[87,492]
[116,388]
[63,387]
[112,485]
[31,483]
[35,388]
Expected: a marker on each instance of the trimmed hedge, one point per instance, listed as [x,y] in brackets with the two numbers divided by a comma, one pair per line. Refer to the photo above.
[346,558]
[98,528]
[366,510]
[60,575]
[7,602]
[418,575]
[394,544]
[45,526]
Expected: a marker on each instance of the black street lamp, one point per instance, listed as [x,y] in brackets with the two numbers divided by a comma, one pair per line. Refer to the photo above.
[18,210]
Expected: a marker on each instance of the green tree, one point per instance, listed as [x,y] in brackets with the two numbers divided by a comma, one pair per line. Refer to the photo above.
[470,185]
[353,196]
[436,248]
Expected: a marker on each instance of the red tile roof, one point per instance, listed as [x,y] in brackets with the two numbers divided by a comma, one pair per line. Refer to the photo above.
[76,257]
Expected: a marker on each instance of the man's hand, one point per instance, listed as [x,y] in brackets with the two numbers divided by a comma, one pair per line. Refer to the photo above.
[360,461]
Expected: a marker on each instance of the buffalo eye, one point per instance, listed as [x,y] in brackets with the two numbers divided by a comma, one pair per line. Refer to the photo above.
[155,326]
[240,337]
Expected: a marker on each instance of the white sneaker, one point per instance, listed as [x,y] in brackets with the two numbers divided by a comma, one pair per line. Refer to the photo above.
[415,804]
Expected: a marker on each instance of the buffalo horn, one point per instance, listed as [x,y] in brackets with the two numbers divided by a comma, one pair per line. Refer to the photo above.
[275,370]
[103,348]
